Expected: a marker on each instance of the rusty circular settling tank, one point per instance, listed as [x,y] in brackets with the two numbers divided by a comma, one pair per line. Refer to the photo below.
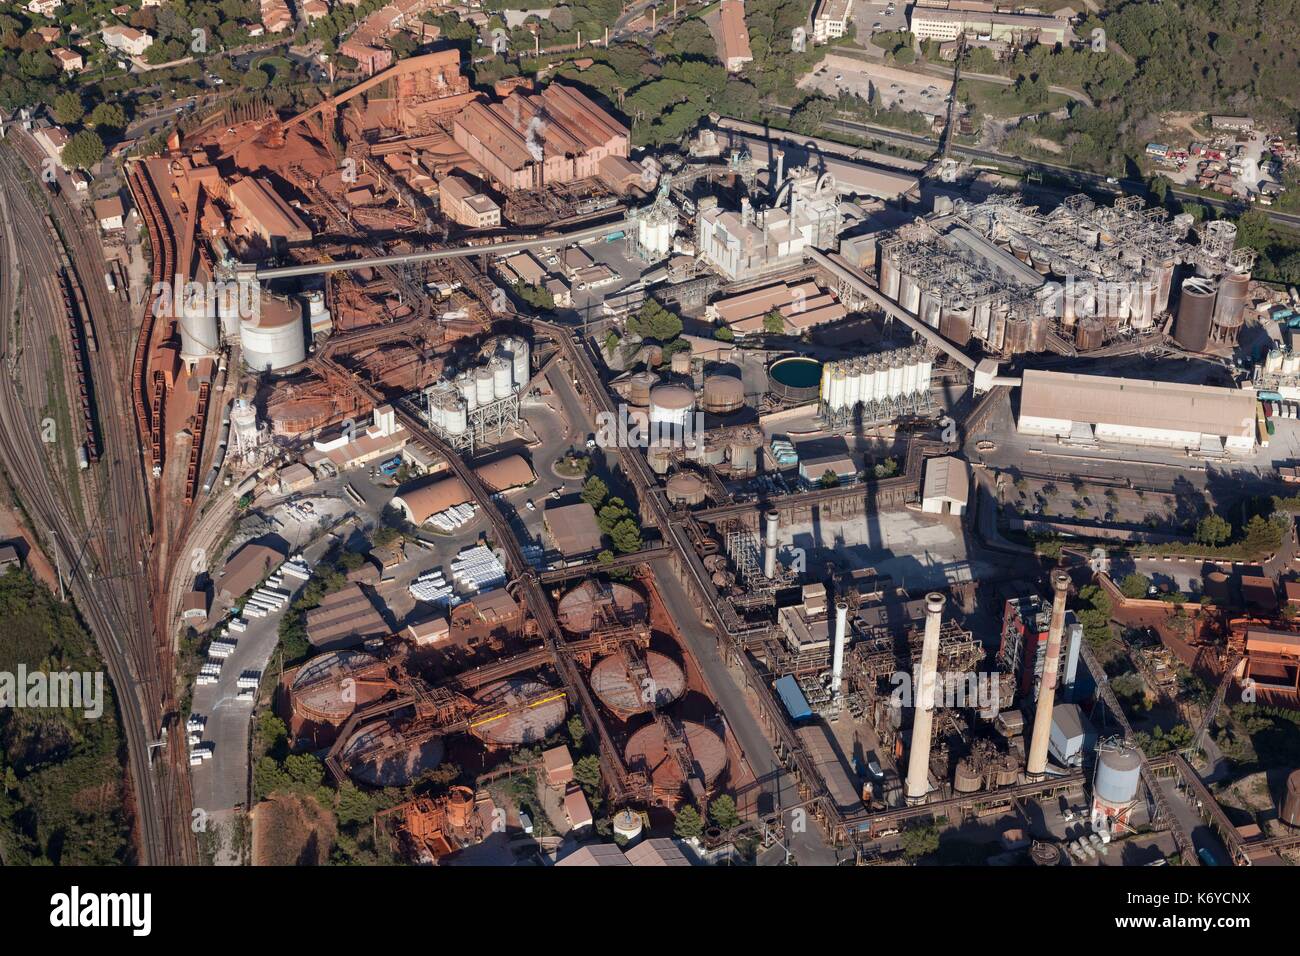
[581,608]
[648,751]
[518,727]
[318,691]
[625,693]
[381,756]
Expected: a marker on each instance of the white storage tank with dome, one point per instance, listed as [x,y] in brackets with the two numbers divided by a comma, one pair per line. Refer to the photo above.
[274,338]
[671,405]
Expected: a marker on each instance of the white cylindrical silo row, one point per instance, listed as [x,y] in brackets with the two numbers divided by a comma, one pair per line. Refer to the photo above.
[484,385]
[853,384]
[502,378]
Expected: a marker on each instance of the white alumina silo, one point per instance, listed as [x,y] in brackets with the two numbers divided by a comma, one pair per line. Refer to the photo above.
[465,385]
[911,375]
[502,378]
[853,384]
[520,359]
[672,405]
[824,389]
[455,417]
[838,387]
[895,386]
[484,385]
[198,323]
[275,337]
[926,369]
[911,295]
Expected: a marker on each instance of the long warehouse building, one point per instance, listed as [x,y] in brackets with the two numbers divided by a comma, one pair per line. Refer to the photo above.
[1087,408]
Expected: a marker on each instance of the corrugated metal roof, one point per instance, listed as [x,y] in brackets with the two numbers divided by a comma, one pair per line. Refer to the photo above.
[1137,403]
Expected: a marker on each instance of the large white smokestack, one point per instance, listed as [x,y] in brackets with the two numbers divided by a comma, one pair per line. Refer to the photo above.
[769,545]
[924,679]
[780,172]
[1036,766]
[841,639]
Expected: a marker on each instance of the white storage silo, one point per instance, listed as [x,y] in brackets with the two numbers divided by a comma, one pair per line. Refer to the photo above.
[895,387]
[911,375]
[839,388]
[672,405]
[228,299]
[926,366]
[484,385]
[465,385]
[853,384]
[502,378]
[198,323]
[275,337]
[824,390]
[520,358]
[455,417]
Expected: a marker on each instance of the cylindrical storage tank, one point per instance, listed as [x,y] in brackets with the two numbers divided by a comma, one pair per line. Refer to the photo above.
[381,755]
[853,384]
[744,454]
[503,379]
[438,410]
[1274,361]
[659,456]
[639,388]
[625,692]
[652,355]
[1118,775]
[888,276]
[911,295]
[590,603]
[275,337]
[1017,336]
[484,385]
[648,752]
[967,779]
[895,387]
[324,691]
[628,825]
[516,712]
[715,450]
[671,405]
[200,335]
[460,807]
[1291,800]
[686,488]
[839,393]
[520,360]
[1230,306]
[455,416]
[723,394]
[929,313]
[1195,314]
[794,379]
[1218,587]
[680,363]
[1089,334]
[465,385]
[983,318]
[880,380]
[955,326]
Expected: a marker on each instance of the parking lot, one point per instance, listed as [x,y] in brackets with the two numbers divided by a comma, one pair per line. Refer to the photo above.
[897,88]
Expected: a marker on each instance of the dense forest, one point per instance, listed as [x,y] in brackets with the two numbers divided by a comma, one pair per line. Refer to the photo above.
[61,774]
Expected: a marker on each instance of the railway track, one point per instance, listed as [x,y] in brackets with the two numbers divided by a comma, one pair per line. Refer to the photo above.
[107,553]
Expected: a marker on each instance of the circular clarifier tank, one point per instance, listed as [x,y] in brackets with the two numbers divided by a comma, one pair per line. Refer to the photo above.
[516,712]
[648,752]
[383,756]
[795,379]
[324,690]
[629,687]
[596,602]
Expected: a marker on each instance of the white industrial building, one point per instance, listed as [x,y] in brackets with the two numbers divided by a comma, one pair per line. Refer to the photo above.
[947,486]
[1100,408]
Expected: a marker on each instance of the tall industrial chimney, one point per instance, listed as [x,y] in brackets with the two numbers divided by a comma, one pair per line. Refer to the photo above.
[924,680]
[1036,766]
[841,639]
[769,545]
[780,173]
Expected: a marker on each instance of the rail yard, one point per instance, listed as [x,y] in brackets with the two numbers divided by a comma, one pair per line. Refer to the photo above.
[447,479]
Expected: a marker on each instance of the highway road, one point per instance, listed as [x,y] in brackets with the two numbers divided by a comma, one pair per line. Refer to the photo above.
[1078,177]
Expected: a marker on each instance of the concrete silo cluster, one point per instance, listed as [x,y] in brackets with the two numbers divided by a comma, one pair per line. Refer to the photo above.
[884,385]
[482,399]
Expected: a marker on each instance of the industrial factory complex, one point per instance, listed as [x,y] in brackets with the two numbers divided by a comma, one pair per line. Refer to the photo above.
[519,495]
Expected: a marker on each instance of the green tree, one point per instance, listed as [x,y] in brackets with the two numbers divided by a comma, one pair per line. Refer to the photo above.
[626,536]
[723,813]
[687,825]
[1213,530]
[829,479]
[774,322]
[1135,585]
[586,771]
[68,108]
[724,334]
[109,116]
[594,491]
[83,151]
[920,841]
